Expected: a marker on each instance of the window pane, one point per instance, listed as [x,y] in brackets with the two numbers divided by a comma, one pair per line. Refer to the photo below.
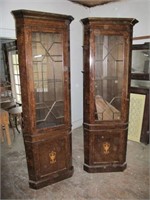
[17,79]
[15,75]
[16,69]
[15,59]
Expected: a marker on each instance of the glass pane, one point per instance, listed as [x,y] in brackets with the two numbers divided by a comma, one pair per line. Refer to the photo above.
[15,76]
[15,59]
[109,69]
[17,79]
[140,83]
[18,89]
[48,79]
[140,61]
[16,69]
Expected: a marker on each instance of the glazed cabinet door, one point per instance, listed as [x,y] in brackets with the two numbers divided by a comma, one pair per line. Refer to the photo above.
[48,79]
[110,86]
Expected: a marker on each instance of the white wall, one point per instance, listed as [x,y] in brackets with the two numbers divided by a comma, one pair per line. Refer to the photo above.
[138,9]
[7,29]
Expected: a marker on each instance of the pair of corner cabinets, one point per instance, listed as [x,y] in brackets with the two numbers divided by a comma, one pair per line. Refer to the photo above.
[43,46]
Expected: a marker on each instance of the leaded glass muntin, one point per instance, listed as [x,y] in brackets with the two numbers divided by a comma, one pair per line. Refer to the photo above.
[108,76]
[48,75]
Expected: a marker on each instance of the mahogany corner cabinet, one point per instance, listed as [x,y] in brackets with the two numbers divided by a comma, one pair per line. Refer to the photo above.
[44,51]
[107,58]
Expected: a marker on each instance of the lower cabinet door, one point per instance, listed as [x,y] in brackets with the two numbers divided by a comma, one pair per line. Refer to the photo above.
[105,150]
[49,160]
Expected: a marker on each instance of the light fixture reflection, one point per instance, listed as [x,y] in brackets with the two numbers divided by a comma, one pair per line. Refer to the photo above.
[38,56]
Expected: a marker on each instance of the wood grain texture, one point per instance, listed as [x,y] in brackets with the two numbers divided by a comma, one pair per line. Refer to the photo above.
[48,148]
[105,139]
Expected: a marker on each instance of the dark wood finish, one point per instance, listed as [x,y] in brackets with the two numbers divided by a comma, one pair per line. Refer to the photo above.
[105,138]
[93,3]
[138,76]
[145,132]
[142,37]
[48,146]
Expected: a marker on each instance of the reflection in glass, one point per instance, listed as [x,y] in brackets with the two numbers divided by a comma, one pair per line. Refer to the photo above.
[48,79]
[140,76]
[140,61]
[109,70]
[140,83]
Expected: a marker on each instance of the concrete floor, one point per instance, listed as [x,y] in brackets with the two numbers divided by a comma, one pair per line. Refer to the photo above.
[132,184]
